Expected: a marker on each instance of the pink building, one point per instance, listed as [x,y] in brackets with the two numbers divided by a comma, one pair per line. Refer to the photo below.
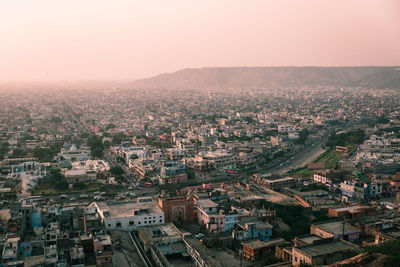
[208,215]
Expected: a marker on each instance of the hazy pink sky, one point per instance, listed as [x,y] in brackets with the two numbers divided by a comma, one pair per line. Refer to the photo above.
[115,39]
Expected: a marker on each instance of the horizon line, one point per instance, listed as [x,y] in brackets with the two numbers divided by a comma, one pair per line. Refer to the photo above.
[192,68]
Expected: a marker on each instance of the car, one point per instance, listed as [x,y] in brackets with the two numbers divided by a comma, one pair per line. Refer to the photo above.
[200,235]
[63,196]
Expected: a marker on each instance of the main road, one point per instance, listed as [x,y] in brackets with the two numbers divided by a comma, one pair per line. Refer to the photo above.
[309,153]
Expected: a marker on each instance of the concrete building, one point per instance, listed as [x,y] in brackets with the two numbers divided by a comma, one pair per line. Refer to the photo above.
[253,230]
[75,176]
[278,184]
[216,160]
[256,249]
[336,230]
[103,250]
[129,216]
[321,252]
[173,172]
[352,212]
[208,215]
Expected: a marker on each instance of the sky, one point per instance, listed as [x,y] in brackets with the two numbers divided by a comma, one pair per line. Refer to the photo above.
[45,40]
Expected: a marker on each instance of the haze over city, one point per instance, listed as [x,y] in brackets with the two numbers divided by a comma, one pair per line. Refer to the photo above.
[112,40]
[199,133]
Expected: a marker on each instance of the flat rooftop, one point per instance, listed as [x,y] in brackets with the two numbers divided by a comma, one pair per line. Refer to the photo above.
[332,246]
[257,244]
[206,203]
[126,209]
[309,239]
[350,208]
[254,244]
[336,227]
[278,180]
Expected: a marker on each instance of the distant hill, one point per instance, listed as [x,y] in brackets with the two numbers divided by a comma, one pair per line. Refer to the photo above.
[272,77]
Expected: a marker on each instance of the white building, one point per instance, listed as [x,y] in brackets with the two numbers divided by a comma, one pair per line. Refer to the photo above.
[127,216]
[288,128]
[128,152]
[217,160]
[72,153]
[91,165]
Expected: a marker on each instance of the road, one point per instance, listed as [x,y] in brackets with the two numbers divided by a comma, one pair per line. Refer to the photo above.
[310,152]
[302,158]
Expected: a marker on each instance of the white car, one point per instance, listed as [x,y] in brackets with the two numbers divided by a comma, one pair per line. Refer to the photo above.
[200,235]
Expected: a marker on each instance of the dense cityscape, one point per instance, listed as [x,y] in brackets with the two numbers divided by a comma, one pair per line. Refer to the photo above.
[211,133]
[249,177]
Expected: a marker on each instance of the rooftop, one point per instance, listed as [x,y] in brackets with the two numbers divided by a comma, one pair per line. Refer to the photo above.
[309,239]
[336,227]
[206,203]
[324,248]
[127,209]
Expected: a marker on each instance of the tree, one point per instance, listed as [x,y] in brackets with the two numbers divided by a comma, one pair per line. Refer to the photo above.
[96,146]
[61,185]
[122,160]
[302,136]
[110,126]
[18,153]
[4,148]
[117,171]
[44,154]
[56,120]
[79,186]
[84,135]
[117,139]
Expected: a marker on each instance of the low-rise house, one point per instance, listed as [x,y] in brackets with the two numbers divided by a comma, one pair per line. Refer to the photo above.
[336,230]
[256,249]
[253,230]
[322,252]
[103,250]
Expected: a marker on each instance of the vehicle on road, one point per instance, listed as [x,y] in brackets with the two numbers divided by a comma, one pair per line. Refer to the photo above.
[200,235]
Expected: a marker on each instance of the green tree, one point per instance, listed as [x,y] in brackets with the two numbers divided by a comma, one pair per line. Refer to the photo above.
[44,154]
[61,185]
[96,146]
[117,171]
[56,120]
[79,186]
[110,126]
[303,136]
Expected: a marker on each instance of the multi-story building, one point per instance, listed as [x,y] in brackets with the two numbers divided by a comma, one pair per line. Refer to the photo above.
[209,216]
[129,216]
[215,160]
[172,172]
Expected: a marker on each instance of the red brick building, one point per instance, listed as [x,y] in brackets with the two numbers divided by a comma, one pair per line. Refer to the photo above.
[177,209]
[352,212]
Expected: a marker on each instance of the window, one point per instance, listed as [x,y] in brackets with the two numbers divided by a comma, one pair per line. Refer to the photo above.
[139,222]
[160,220]
[131,223]
[154,221]
[118,224]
